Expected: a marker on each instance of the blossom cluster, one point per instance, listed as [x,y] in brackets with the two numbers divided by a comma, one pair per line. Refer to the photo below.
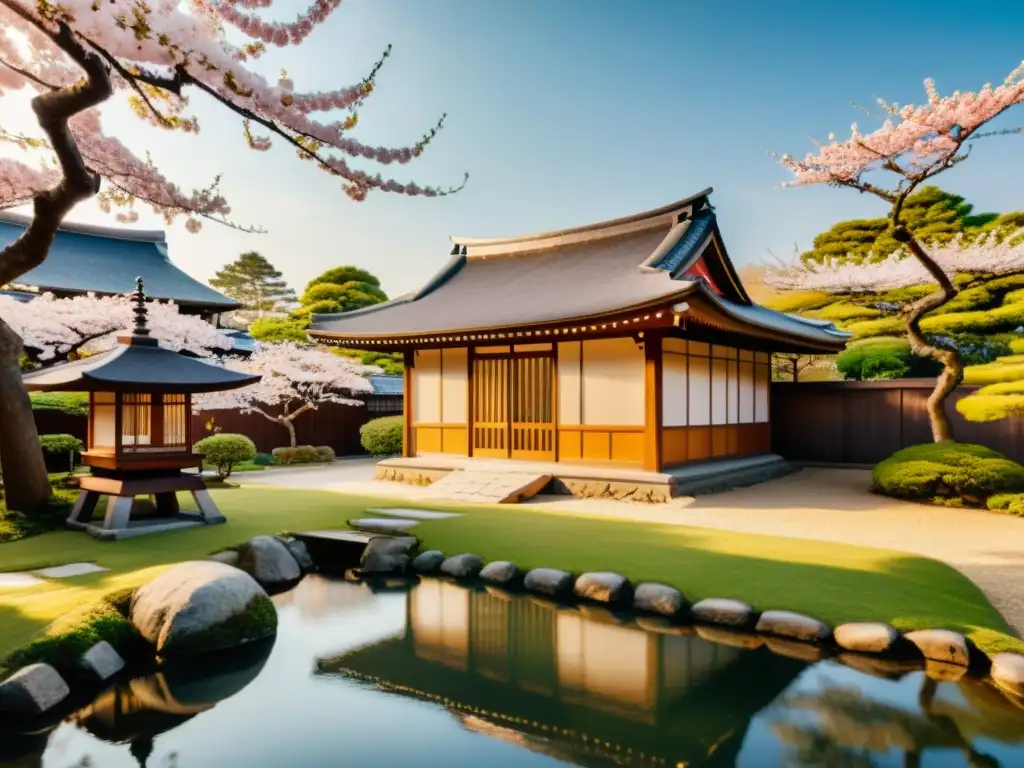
[52,327]
[292,374]
[914,135]
[185,43]
[990,255]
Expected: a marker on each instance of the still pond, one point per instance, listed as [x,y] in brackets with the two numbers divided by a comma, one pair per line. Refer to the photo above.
[447,676]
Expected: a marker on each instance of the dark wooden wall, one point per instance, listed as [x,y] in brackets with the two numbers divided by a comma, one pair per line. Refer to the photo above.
[863,422]
[332,424]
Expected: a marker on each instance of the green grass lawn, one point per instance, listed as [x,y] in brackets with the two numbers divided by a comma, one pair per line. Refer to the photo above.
[834,582]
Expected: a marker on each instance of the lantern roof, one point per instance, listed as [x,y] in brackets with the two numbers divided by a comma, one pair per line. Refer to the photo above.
[138,364]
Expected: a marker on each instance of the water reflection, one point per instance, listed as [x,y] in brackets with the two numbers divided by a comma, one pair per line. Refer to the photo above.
[442,675]
[581,688]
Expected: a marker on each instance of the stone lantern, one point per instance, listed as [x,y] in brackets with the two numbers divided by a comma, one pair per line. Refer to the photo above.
[139,430]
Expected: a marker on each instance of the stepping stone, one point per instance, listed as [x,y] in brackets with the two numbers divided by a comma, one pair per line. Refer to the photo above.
[413,514]
[382,525]
[17,580]
[71,569]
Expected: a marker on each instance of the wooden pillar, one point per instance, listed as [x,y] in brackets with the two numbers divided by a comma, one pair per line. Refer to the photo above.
[408,434]
[652,401]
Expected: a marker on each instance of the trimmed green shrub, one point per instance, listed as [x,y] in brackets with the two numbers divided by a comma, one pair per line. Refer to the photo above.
[1006,317]
[300,454]
[60,443]
[1010,503]
[942,472]
[883,358]
[382,437]
[993,373]
[224,450]
[263,460]
[996,401]
[882,326]
[73,403]
[324,453]
[844,310]
[800,301]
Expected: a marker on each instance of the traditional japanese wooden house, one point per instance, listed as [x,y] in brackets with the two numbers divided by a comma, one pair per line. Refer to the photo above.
[629,342]
[139,430]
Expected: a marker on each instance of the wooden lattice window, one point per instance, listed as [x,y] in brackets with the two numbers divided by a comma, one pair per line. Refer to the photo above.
[175,412]
[136,421]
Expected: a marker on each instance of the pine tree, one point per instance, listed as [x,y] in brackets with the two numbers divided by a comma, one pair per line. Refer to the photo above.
[253,281]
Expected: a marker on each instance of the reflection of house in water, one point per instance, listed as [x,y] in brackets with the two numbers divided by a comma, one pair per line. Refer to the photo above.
[581,689]
[317,597]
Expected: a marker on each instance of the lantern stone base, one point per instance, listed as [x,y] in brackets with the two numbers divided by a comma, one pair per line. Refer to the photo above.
[126,515]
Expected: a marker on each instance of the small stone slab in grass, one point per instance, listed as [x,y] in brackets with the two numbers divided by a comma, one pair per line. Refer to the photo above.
[102,660]
[414,514]
[660,599]
[866,637]
[19,580]
[71,569]
[604,587]
[1008,672]
[501,573]
[549,581]
[464,566]
[428,562]
[795,626]
[723,610]
[32,690]
[382,524]
[941,645]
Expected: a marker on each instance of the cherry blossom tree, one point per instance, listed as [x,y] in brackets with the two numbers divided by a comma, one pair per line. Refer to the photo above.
[915,144]
[54,330]
[75,55]
[296,379]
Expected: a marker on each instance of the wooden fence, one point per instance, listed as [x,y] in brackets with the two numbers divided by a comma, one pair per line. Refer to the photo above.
[863,422]
[332,424]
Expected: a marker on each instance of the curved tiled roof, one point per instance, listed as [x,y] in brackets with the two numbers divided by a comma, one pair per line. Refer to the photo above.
[104,260]
[574,275]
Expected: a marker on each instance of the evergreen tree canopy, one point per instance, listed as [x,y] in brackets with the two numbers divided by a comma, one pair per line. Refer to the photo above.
[346,274]
[932,215]
[341,289]
[253,281]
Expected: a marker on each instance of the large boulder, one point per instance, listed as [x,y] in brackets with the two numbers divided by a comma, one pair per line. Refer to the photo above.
[201,606]
[795,626]
[501,573]
[724,610]
[604,587]
[866,637]
[268,561]
[33,690]
[386,555]
[941,645]
[549,581]
[660,599]
[300,552]
[465,566]
[429,562]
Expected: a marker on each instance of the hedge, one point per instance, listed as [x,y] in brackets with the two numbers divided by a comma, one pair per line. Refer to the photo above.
[224,450]
[383,436]
[801,301]
[844,310]
[73,403]
[996,401]
[303,454]
[943,473]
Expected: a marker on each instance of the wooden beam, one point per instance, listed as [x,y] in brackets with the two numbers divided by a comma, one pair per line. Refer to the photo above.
[652,401]
[408,434]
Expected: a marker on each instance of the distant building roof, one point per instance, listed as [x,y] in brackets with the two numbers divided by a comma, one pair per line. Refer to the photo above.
[241,341]
[22,296]
[387,385]
[106,260]
[591,276]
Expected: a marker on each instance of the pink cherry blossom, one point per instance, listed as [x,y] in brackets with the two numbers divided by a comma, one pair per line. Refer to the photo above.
[984,256]
[186,43]
[52,327]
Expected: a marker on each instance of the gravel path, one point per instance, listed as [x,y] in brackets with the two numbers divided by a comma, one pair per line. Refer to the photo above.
[819,504]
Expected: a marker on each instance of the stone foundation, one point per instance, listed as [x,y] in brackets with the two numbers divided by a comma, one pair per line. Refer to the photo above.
[647,493]
[409,476]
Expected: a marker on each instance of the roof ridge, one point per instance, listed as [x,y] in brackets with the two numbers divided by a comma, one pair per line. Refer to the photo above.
[94,230]
[593,227]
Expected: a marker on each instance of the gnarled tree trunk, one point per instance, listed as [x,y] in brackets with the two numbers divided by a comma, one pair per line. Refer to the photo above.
[952,368]
[27,486]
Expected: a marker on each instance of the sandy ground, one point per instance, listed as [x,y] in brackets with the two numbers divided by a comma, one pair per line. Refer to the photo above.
[818,504]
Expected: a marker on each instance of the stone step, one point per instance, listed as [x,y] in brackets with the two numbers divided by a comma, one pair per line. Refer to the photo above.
[482,487]
[738,475]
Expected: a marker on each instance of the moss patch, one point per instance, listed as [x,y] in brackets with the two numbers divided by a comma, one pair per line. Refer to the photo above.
[63,642]
[257,621]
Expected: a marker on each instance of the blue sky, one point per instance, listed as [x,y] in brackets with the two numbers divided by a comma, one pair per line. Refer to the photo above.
[571,111]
